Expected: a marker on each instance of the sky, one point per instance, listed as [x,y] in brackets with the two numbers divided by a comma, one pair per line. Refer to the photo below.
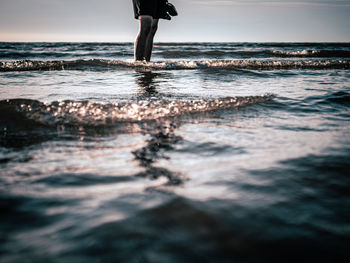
[198,20]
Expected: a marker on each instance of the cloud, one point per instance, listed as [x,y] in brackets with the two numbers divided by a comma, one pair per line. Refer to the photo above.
[310,3]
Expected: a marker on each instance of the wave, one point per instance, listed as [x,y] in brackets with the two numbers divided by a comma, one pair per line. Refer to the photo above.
[256,54]
[257,44]
[98,64]
[66,54]
[91,52]
[313,53]
[86,113]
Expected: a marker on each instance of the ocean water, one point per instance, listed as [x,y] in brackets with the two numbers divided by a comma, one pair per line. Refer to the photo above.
[213,152]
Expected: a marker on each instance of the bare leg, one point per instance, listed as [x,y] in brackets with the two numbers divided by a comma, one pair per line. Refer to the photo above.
[141,39]
[149,43]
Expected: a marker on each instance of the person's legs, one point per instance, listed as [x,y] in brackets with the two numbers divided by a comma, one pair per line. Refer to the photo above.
[150,37]
[142,37]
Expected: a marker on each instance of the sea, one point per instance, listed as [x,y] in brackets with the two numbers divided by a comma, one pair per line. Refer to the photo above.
[212,152]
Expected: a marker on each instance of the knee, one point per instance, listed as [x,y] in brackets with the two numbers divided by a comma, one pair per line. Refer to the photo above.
[145,25]
[154,28]
[145,29]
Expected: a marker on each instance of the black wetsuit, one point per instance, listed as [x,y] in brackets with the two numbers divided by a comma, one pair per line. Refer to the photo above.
[148,7]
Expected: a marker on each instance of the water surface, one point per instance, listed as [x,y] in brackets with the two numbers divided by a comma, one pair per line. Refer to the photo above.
[214,152]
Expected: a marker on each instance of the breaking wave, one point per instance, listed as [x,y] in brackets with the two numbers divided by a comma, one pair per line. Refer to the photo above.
[86,113]
[313,53]
[102,64]
[306,53]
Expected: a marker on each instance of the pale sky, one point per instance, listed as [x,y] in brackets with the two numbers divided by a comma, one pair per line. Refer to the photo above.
[198,20]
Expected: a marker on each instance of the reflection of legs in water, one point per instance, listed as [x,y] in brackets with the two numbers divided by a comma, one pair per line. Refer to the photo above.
[147,83]
[144,40]
[163,139]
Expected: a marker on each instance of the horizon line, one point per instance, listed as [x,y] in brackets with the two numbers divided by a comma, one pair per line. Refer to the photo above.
[127,42]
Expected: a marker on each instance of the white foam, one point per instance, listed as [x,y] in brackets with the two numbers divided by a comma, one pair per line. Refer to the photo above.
[95,64]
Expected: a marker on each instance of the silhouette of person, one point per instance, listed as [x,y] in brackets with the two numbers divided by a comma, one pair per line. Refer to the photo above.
[148,13]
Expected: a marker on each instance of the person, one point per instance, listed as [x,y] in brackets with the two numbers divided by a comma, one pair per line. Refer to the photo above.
[148,13]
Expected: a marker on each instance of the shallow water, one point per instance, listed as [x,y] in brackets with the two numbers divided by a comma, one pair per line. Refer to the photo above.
[215,152]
